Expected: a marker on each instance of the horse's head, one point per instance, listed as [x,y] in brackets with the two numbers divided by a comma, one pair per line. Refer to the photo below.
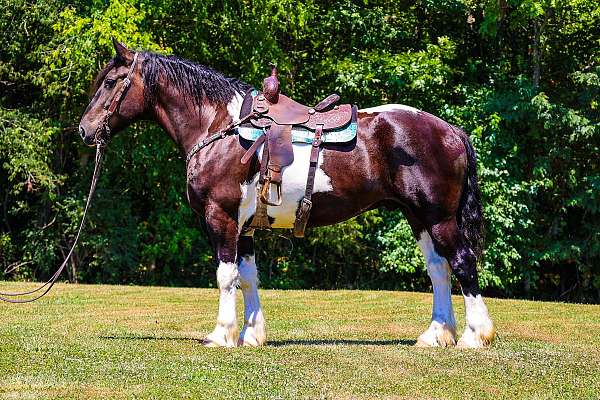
[118,97]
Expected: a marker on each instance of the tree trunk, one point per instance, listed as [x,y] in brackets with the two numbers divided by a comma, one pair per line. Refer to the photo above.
[539,26]
[537,54]
[74,269]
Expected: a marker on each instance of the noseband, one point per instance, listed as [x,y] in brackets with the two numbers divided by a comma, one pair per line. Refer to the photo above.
[103,132]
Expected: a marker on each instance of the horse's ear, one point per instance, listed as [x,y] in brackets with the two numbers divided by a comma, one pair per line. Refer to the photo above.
[122,52]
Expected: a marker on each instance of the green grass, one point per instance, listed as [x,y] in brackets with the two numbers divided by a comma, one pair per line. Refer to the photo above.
[143,342]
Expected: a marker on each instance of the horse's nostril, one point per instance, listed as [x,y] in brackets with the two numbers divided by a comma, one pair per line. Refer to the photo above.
[82,132]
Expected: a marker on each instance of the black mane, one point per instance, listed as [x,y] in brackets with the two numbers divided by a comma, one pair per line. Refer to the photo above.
[194,80]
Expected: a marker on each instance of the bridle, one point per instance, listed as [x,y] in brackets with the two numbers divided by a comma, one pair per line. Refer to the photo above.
[100,137]
[102,133]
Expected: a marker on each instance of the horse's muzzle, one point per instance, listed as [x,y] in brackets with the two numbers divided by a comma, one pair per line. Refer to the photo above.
[88,140]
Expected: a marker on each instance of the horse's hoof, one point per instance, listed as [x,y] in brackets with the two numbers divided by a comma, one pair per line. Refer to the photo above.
[437,335]
[477,338]
[221,337]
[253,336]
[206,342]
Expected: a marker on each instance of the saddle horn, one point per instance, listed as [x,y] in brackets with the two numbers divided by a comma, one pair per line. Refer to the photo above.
[271,86]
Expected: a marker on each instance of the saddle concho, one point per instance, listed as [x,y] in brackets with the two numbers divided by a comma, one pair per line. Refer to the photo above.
[279,121]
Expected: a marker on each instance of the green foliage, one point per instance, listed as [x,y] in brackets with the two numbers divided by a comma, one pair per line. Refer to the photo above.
[522,77]
[81,44]
[373,77]
[25,143]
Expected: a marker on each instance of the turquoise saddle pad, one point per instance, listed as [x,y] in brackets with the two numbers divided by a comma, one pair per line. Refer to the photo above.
[301,134]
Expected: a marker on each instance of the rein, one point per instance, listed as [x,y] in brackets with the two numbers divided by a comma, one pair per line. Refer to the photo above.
[11,297]
[100,138]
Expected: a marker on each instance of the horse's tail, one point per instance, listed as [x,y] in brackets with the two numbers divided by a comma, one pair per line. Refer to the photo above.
[470,213]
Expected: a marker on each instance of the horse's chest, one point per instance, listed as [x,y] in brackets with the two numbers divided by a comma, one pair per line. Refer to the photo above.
[293,188]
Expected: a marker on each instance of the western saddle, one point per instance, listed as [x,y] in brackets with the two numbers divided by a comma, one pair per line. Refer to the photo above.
[276,114]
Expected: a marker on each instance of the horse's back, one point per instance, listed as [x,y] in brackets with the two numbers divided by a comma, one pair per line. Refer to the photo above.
[420,134]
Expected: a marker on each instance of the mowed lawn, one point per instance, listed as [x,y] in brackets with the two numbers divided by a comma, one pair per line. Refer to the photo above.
[144,342]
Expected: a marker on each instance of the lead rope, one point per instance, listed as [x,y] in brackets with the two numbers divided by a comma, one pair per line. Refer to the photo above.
[50,282]
[101,136]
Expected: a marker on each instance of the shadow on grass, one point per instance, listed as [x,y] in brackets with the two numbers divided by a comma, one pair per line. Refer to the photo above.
[343,342]
[134,337]
[285,343]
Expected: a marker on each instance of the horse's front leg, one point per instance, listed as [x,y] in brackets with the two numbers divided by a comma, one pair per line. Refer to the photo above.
[222,230]
[253,332]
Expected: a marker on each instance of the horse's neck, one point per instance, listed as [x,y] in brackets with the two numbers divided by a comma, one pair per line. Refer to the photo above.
[188,123]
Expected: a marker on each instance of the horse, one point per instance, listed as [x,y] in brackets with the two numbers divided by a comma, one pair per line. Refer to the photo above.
[402,158]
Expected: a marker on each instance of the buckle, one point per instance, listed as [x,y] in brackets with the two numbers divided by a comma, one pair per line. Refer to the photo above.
[306,204]
[265,193]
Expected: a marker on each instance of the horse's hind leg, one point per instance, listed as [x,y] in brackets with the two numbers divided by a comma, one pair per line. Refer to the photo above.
[253,332]
[442,330]
[450,243]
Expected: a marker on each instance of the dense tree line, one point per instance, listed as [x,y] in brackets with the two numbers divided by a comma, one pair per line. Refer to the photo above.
[521,76]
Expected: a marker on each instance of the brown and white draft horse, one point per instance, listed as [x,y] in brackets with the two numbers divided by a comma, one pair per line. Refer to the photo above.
[402,159]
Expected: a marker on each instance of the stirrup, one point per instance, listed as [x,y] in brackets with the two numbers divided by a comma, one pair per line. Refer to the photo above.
[265,192]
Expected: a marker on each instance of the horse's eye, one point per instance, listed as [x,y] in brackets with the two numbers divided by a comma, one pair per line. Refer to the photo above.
[109,83]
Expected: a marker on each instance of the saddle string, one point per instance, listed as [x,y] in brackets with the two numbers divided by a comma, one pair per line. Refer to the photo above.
[50,282]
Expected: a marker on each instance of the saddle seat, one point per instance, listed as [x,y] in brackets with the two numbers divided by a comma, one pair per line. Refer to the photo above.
[289,112]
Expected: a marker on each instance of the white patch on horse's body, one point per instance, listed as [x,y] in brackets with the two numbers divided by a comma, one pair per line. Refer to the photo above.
[479,329]
[247,201]
[443,325]
[293,188]
[388,107]
[253,332]
[235,105]
[226,331]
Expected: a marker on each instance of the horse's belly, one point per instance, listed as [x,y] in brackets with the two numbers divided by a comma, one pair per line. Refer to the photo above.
[293,188]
